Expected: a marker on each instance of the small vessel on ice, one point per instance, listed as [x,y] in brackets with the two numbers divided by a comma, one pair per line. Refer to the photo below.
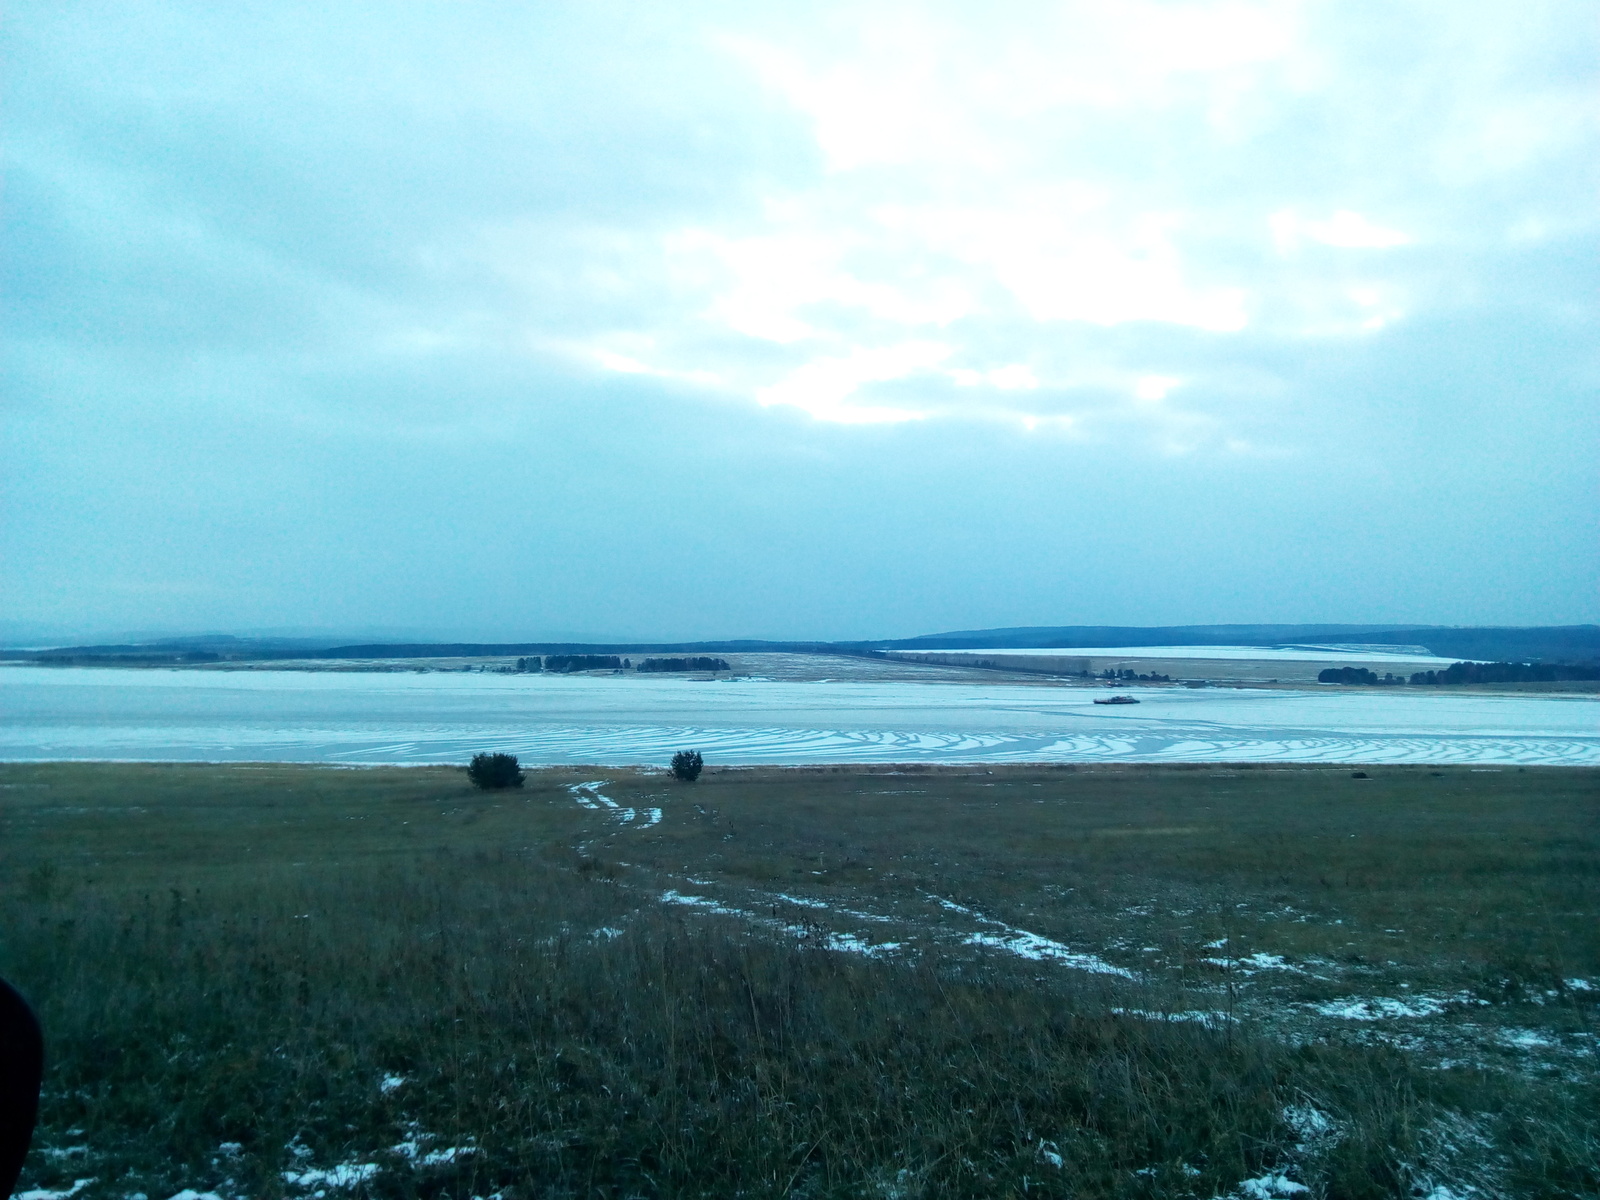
[1117,700]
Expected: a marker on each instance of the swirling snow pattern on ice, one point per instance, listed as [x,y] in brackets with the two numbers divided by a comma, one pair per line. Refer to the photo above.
[94,713]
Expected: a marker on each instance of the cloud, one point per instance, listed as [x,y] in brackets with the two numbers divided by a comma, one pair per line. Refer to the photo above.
[988,185]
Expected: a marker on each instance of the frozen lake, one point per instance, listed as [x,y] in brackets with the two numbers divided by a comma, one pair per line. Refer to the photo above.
[295,716]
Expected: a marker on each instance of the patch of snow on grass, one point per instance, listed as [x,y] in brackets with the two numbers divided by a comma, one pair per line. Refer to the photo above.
[388,1084]
[412,1149]
[852,944]
[1251,963]
[46,1194]
[590,796]
[1029,945]
[652,817]
[345,1175]
[1269,962]
[1269,1187]
[706,902]
[191,1194]
[1383,1008]
[1040,949]
[847,942]
[1525,1039]
[1315,1130]
[1200,1016]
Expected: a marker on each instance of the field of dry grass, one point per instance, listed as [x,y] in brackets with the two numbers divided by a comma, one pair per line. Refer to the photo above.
[1095,980]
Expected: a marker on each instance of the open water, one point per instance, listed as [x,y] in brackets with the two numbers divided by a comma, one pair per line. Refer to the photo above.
[357,717]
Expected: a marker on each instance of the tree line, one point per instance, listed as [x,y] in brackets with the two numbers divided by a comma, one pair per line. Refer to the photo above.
[1465,672]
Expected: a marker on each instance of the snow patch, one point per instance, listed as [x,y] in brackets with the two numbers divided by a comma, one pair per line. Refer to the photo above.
[412,1151]
[704,902]
[345,1175]
[46,1194]
[1209,1019]
[1041,949]
[847,942]
[390,1082]
[588,794]
[1525,1039]
[1268,1187]
[1383,1008]
[1028,945]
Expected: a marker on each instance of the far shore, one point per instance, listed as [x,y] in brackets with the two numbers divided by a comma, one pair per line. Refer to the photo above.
[954,667]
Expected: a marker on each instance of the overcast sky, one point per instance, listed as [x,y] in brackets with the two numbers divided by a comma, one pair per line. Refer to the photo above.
[699,320]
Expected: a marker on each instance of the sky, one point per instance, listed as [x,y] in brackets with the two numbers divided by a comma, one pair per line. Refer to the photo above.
[526,321]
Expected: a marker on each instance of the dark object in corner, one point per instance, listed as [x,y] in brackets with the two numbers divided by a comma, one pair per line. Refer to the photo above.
[21,1068]
[1359,775]
[686,765]
[494,771]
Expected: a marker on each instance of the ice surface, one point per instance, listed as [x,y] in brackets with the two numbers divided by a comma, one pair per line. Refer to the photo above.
[400,717]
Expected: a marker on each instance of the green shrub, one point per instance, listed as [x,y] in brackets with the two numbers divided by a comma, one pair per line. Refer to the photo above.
[686,765]
[494,771]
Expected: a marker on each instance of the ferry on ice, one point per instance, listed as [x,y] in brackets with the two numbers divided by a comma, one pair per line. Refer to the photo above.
[1117,700]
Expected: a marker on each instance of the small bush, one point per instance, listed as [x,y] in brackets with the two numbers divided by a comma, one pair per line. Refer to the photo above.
[494,771]
[686,765]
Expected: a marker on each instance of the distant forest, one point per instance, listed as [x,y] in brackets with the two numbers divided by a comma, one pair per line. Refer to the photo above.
[1465,672]
[567,663]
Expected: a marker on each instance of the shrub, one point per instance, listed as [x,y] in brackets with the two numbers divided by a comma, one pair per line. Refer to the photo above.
[686,765]
[494,771]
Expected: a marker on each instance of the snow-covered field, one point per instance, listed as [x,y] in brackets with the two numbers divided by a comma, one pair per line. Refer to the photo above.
[1417,660]
[402,717]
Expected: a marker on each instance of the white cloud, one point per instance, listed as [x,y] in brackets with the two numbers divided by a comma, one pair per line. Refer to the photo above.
[1346,229]
[824,386]
[1048,193]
